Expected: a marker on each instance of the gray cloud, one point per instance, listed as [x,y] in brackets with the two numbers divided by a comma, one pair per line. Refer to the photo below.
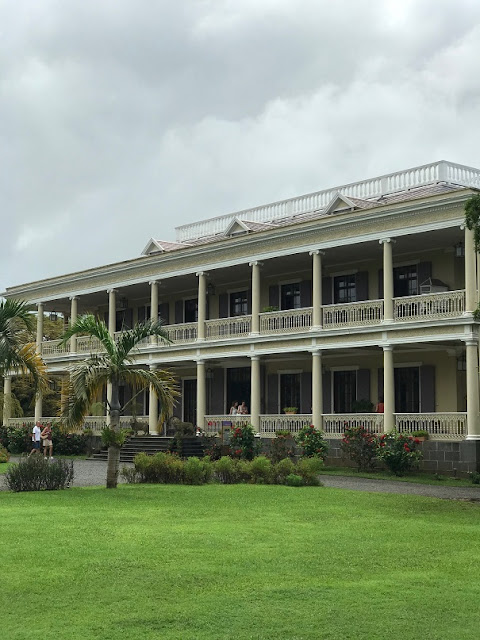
[122,119]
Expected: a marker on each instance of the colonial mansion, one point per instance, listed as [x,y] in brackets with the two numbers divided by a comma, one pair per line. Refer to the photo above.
[330,303]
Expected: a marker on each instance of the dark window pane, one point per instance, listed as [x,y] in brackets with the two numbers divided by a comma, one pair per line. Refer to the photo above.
[238,304]
[407,390]
[405,281]
[290,296]
[344,289]
[289,390]
[344,391]
[191,310]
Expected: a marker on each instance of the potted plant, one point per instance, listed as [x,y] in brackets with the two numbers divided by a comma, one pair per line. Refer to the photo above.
[421,435]
[270,308]
[290,410]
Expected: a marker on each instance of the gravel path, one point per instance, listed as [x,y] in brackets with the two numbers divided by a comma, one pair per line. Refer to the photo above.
[93,473]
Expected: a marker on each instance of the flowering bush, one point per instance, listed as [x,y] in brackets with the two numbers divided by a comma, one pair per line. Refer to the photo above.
[399,452]
[312,442]
[242,442]
[361,446]
[282,446]
[4,455]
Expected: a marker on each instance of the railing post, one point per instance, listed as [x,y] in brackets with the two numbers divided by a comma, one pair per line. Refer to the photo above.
[473,427]
[387,279]
[255,392]
[317,391]
[317,289]
[388,389]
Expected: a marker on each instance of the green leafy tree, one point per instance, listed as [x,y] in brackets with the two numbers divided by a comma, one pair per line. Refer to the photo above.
[114,365]
[17,352]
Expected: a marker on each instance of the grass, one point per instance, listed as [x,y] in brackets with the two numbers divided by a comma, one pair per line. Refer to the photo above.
[4,466]
[240,561]
[419,478]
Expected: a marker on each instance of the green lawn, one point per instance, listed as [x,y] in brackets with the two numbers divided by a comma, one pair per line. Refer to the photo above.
[239,561]
[418,478]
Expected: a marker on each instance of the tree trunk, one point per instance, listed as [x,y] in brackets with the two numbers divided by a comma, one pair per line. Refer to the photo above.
[114,450]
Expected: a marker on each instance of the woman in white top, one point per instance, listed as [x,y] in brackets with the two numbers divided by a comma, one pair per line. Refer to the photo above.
[234,408]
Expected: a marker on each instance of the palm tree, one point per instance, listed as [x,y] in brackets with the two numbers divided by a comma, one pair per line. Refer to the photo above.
[113,365]
[17,352]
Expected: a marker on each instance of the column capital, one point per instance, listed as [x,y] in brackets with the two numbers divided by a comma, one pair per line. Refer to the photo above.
[316,252]
[150,282]
[202,273]
[255,263]
[316,352]
[462,226]
[40,304]
[109,291]
[200,360]
[71,298]
[386,240]
[153,367]
[255,357]
[387,347]
[470,342]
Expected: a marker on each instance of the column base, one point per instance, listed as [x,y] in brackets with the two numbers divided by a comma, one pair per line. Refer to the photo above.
[200,340]
[317,327]
[473,436]
[254,333]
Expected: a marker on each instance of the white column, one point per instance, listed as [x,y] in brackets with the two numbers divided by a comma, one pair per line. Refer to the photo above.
[202,307]
[317,391]
[153,408]
[112,325]
[387,279]
[39,345]
[153,306]
[473,427]
[317,289]
[7,398]
[201,394]
[255,392]
[256,288]
[388,389]
[73,319]
[470,272]
[112,311]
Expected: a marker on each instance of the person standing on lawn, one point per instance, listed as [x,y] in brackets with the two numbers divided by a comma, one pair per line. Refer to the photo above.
[46,436]
[36,438]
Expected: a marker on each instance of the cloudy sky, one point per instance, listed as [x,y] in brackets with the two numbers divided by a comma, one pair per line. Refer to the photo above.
[122,119]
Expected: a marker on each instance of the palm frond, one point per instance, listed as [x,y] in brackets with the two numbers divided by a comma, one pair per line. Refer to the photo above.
[131,338]
[86,380]
[162,382]
[94,327]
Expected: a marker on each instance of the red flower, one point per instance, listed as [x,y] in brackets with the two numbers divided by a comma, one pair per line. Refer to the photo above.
[417,441]
[406,447]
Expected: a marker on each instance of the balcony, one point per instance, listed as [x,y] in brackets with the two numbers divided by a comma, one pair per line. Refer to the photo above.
[432,306]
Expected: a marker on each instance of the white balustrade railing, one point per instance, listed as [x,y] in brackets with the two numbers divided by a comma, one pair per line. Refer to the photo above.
[334,424]
[270,424]
[217,423]
[285,321]
[52,348]
[370,188]
[439,425]
[87,344]
[228,327]
[185,332]
[447,304]
[361,313]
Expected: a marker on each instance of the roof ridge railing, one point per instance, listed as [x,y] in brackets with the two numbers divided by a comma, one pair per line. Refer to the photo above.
[441,171]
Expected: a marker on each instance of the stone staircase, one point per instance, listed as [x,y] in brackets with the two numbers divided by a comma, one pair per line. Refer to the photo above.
[151,445]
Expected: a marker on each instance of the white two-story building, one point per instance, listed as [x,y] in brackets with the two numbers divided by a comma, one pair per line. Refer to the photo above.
[328,302]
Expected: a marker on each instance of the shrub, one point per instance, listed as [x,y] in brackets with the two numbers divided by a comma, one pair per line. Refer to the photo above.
[475,477]
[421,433]
[282,446]
[228,471]
[197,471]
[312,442]
[398,451]
[282,470]
[37,474]
[260,470]
[309,468]
[293,480]
[19,439]
[130,475]
[113,438]
[242,442]
[4,455]
[163,468]
[361,446]
[68,444]
[214,449]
